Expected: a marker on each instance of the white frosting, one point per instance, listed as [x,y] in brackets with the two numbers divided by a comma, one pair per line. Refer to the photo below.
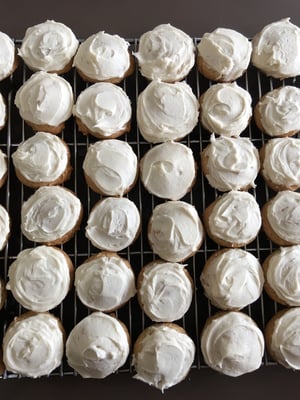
[103,108]
[7,55]
[165,357]
[281,164]
[41,158]
[103,56]
[49,214]
[4,227]
[33,346]
[166,111]
[3,114]
[283,274]
[232,344]
[283,213]
[45,99]
[104,282]
[175,230]
[39,278]
[285,340]
[232,163]
[279,111]
[48,46]
[168,170]
[166,291]
[235,218]
[226,109]
[225,51]
[113,224]
[165,53]
[97,346]
[3,164]
[112,166]
[232,279]
[276,49]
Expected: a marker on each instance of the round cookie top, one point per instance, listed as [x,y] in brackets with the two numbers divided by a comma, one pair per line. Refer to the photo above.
[111,166]
[97,346]
[4,227]
[276,49]
[45,99]
[225,54]
[105,282]
[113,224]
[8,54]
[166,111]
[49,46]
[168,170]
[175,230]
[46,332]
[165,53]
[103,57]
[3,113]
[230,163]
[232,279]
[232,343]
[225,109]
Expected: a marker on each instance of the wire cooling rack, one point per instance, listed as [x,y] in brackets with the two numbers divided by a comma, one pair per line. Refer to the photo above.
[12,195]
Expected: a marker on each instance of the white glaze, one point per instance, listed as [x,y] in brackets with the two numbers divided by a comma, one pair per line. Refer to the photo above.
[3,114]
[4,227]
[97,346]
[225,109]
[175,230]
[232,163]
[7,55]
[39,278]
[112,166]
[113,224]
[232,344]
[48,46]
[232,279]
[33,346]
[3,164]
[166,111]
[104,282]
[45,99]
[168,170]
[165,53]
[165,356]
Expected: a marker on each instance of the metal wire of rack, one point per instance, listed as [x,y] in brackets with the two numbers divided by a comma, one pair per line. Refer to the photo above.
[12,195]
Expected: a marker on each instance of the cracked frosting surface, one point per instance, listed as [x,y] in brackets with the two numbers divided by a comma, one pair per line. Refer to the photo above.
[7,55]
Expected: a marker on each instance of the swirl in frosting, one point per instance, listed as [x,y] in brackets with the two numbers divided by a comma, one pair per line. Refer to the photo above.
[7,55]
[4,227]
[165,53]
[3,114]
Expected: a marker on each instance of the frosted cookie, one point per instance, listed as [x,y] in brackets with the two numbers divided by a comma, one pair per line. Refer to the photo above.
[43,159]
[277,113]
[3,168]
[230,163]
[280,163]
[153,350]
[3,112]
[165,53]
[282,271]
[232,343]
[51,215]
[232,279]
[8,60]
[165,290]
[45,102]
[2,293]
[49,46]
[105,282]
[281,218]
[5,227]
[33,344]
[233,219]
[110,167]
[113,224]
[175,231]
[103,110]
[40,277]
[276,49]
[225,109]
[97,346]
[168,170]
[104,58]
[281,333]
[166,111]
[223,55]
